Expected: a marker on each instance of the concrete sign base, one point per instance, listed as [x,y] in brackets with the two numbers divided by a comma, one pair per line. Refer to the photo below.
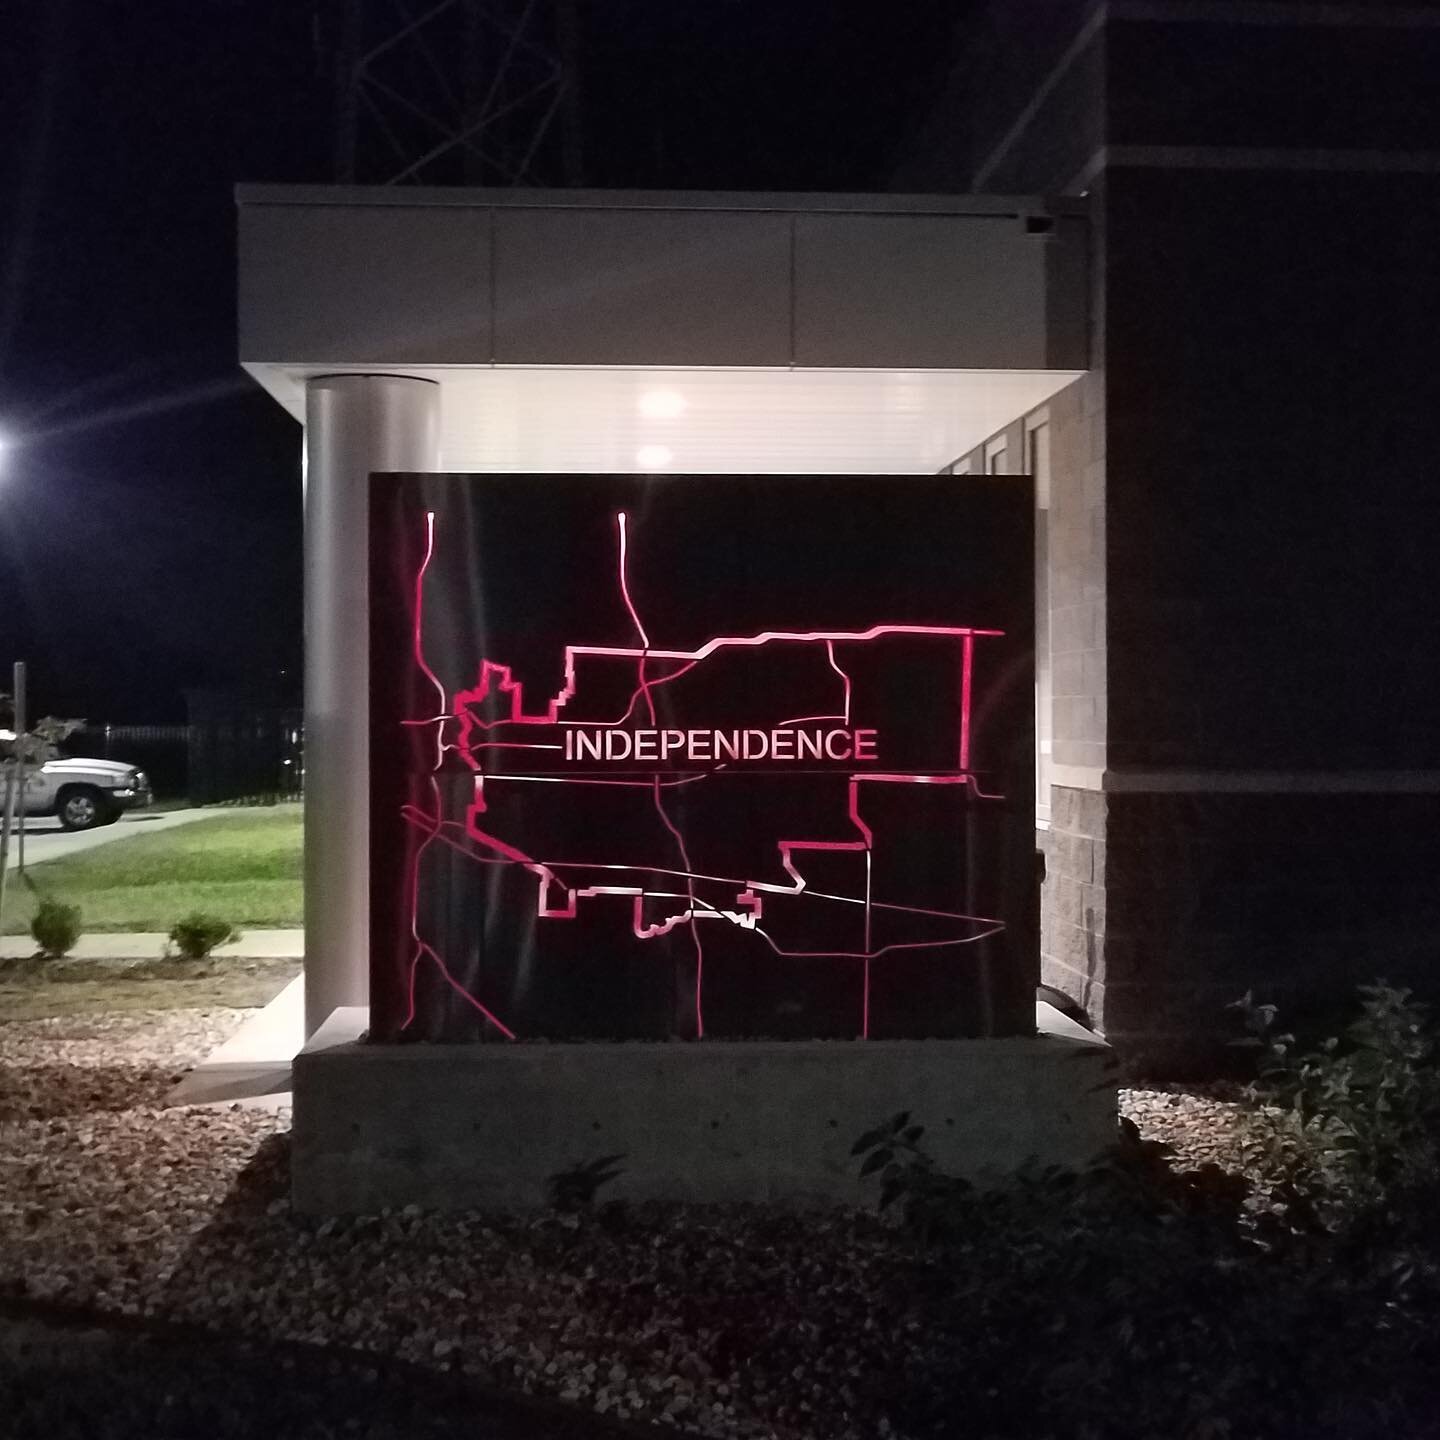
[487,1126]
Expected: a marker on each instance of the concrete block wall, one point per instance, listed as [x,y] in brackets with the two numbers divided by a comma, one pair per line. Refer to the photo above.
[1245,505]
[1077,573]
[1300,896]
[1073,900]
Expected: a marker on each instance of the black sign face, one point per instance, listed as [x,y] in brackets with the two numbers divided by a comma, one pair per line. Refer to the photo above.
[701,756]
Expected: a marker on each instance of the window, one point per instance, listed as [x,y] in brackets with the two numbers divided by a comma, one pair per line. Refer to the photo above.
[961,467]
[995,456]
[1037,462]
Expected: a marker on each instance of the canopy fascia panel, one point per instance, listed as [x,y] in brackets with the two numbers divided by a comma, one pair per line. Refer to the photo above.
[581,330]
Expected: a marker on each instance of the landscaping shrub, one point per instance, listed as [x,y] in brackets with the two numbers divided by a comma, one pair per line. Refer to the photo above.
[197,935]
[1354,1132]
[1165,1301]
[56,928]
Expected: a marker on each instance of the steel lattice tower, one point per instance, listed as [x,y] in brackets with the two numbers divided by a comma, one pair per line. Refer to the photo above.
[452,92]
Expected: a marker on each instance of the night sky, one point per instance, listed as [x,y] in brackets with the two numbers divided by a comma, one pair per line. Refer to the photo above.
[150,497]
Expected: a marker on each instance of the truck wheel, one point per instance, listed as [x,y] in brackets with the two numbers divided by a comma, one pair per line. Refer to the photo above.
[82,807]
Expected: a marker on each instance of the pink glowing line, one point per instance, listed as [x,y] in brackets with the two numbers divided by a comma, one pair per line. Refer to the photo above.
[515,689]
[512,745]
[872,777]
[594,780]
[883,950]
[745,898]
[844,678]
[844,714]
[417,635]
[966,667]
[421,947]
[746,922]
[546,869]
[622,521]
[623,524]
[638,893]
[865,992]
[418,647]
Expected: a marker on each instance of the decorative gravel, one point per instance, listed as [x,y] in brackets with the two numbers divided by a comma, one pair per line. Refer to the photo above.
[741,1321]
[79,1064]
[1201,1129]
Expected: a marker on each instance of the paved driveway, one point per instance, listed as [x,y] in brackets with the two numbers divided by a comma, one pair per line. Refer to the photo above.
[45,840]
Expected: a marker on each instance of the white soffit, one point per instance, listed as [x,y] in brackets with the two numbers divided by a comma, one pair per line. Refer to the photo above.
[716,421]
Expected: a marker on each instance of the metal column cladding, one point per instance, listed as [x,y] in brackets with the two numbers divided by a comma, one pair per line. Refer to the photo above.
[353,424]
[701,757]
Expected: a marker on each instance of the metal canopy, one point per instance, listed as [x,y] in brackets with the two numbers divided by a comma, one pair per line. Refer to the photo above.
[581,330]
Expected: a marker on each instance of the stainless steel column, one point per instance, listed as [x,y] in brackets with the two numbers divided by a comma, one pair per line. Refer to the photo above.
[354,425]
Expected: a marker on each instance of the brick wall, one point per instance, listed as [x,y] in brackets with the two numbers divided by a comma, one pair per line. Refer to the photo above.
[1073,898]
[1245,501]
[1301,896]
[1077,573]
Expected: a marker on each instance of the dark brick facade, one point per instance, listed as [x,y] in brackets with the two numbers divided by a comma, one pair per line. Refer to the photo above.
[1301,895]
[1245,494]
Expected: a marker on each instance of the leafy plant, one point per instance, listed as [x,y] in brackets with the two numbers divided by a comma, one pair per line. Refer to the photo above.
[56,928]
[1163,1301]
[909,1176]
[198,934]
[1355,1132]
[575,1189]
[39,744]
[1133,1181]
[33,748]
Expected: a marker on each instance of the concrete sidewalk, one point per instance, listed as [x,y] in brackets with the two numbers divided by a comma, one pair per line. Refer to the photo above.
[150,945]
[252,1068]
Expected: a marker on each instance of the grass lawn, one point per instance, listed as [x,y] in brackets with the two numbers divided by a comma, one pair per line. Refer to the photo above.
[242,866]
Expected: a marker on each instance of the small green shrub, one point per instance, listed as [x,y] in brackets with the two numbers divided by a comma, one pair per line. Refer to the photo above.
[1135,1181]
[198,934]
[1164,1300]
[1355,1133]
[926,1196]
[56,928]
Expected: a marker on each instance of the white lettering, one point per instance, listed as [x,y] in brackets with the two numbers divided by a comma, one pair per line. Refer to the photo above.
[782,745]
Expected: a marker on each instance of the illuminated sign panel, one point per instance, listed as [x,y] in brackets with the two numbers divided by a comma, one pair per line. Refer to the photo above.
[701,757]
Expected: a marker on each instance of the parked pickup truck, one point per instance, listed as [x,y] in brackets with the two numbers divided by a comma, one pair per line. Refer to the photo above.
[83,794]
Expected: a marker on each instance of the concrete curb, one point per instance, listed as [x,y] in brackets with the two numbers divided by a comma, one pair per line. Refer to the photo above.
[265,944]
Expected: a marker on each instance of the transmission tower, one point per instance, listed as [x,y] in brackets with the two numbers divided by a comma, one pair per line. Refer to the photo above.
[454,92]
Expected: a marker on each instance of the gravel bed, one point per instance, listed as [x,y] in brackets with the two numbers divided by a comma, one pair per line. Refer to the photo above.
[726,1322]
[79,1064]
[1201,1129]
